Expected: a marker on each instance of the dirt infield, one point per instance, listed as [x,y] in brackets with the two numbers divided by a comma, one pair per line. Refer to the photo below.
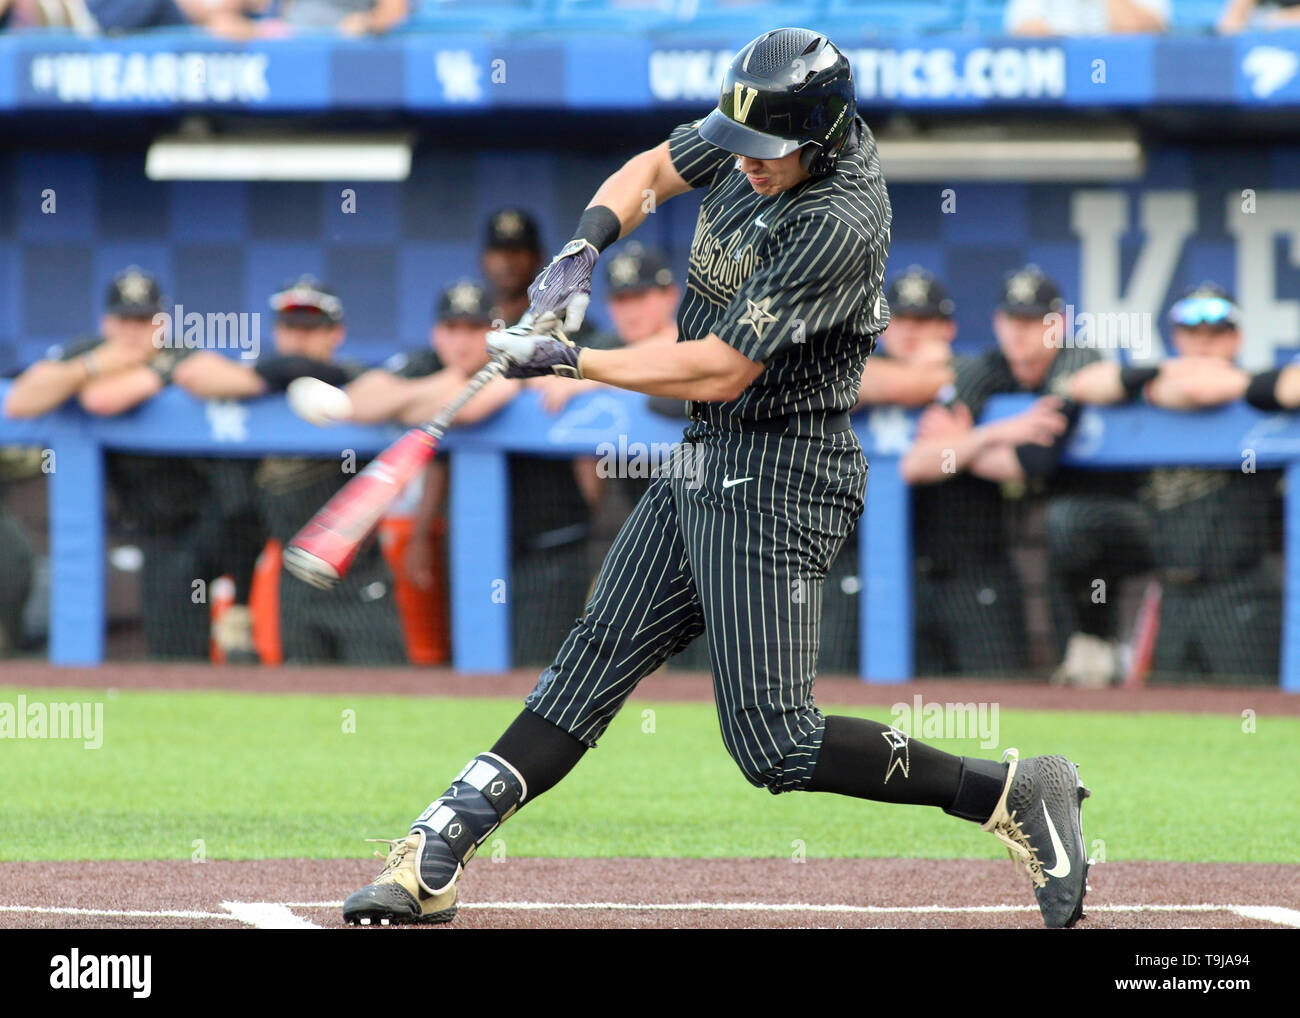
[666,686]
[658,893]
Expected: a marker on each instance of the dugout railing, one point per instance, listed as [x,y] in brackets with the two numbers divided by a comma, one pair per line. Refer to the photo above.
[617,423]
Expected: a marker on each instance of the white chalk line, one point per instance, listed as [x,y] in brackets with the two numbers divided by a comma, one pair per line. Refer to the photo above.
[279,915]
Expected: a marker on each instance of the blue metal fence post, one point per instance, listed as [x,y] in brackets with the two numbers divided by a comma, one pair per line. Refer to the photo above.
[885,550]
[1291,583]
[479,543]
[77,550]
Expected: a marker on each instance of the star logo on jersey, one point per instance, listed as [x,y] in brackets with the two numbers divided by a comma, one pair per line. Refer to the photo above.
[899,753]
[464,298]
[757,315]
[624,270]
[913,290]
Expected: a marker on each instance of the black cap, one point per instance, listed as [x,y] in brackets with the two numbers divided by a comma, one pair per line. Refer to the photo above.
[1029,293]
[512,228]
[308,303]
[917,294]
[464,301]
[134,293]
[636,267]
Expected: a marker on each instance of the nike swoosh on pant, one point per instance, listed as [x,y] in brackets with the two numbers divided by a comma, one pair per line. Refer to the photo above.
[1061,868]
[738,480]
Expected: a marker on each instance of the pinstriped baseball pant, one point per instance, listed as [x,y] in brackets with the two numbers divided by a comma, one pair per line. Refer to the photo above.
[733,541]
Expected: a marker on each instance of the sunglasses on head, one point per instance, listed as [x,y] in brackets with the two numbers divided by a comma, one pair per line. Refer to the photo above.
[1214,311]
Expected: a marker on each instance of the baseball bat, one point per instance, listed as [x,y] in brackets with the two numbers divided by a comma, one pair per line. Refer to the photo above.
[323,550]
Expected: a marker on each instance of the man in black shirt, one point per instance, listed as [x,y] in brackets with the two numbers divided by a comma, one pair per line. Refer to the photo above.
[357,621]
[192,517]
[1206,532]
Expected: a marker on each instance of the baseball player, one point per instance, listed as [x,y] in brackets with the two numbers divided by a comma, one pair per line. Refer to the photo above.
[1221,603]
[783,302]
[358,622]
[192,517]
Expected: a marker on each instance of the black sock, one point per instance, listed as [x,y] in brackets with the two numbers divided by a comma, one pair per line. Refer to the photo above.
[539,750]
[868,760]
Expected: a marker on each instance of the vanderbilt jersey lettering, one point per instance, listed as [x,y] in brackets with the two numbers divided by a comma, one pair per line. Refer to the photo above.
[792,280]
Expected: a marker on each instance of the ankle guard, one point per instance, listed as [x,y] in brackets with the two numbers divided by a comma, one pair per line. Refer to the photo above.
[483,795]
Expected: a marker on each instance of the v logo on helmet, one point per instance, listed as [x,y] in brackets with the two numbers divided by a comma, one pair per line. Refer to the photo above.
[741,106]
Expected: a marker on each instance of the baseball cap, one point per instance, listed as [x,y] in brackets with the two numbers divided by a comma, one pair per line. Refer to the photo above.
[307,302]
[134,293]
[636,268]
[464,301]
[1206,304]
[917,294]
[1029,292]
[512,228]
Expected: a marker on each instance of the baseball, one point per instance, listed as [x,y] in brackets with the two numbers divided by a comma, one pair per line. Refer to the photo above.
[318,402]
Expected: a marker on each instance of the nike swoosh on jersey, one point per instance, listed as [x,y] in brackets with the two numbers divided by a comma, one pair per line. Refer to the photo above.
[758,221]
[1061,868]
[739,480]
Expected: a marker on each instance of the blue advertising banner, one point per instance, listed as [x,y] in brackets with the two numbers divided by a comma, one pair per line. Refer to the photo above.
[425,72]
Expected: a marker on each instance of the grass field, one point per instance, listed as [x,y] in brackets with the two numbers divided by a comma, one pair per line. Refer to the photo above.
[258,776]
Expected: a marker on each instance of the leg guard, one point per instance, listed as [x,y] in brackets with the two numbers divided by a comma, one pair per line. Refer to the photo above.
[483,795]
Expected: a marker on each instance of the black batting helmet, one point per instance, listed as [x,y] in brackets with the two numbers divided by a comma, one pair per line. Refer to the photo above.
[788,89]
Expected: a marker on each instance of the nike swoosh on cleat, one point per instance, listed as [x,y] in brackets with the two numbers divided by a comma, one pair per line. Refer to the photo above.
[1062,859]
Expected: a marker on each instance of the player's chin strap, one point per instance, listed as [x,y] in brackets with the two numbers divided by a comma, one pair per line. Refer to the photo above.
[456,823]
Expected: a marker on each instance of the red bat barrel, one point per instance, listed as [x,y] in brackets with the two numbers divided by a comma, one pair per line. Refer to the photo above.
[323,550]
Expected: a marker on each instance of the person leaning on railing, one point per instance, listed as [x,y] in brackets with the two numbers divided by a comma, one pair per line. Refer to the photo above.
[355,622]
[192,516]
[1206,532]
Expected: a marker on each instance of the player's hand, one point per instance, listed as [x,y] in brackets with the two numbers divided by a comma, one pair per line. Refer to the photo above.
[939,421]
[532,355]
[1042,424]
[561,292]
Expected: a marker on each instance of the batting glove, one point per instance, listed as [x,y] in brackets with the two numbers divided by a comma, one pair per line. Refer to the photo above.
[560,294]
[531,354]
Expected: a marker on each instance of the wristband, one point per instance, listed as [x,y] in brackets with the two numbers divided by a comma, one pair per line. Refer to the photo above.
[1261,393]
[88,362]
[599,227]
[1133,379]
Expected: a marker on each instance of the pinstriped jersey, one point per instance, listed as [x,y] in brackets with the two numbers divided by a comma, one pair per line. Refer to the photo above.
[792,280]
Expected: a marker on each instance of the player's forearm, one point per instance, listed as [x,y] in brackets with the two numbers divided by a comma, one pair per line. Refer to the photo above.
[208,375]
[1126,16]
[436,391]
[998,463]
[707,370]
[931,461]
[634,190]
[1235,15]
[896,384]
[1287,389]
[45,386]
[1196,390]
[106,397]
[379,396]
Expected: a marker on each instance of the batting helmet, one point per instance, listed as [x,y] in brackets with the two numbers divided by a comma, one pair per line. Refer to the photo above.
[788,89]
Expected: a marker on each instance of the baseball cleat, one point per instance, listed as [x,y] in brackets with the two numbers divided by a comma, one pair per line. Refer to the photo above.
[1039,819]
[396,895]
